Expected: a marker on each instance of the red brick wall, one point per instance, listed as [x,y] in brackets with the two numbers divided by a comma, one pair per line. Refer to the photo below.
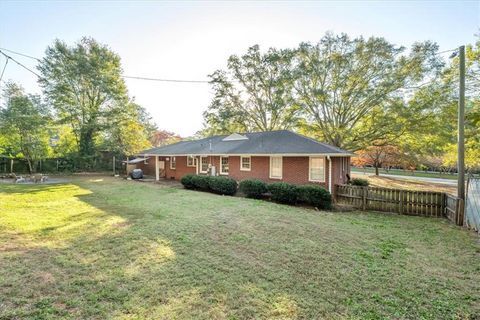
[295,169]
[149,168]
[180,170]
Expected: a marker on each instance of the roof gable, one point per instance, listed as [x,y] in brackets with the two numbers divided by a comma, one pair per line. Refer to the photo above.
[235,137]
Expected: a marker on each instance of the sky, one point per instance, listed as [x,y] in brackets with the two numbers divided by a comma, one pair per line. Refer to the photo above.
[191,39]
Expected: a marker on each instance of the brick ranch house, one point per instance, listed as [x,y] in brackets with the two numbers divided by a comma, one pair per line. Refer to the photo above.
[269,156]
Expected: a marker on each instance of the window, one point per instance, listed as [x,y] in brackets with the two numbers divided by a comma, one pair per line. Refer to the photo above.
[173,163]
[316,170]
[245,163]
[223,165]
[190,161]
[276,167]
[203,164]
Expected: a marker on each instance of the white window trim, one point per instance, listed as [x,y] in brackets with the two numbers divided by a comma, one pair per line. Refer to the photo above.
[324,169]
[171,162]
[192,165]
[221,167]
[201,158]
[281,168]
[241,163]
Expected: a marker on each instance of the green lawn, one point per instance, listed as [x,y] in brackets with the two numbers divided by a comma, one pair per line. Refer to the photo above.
[109,249]
[409,173]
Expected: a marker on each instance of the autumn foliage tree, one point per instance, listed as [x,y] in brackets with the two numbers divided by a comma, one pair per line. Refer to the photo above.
[163,137]
[379,157]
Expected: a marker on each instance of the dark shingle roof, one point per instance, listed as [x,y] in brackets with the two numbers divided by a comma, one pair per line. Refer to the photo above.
[258,143]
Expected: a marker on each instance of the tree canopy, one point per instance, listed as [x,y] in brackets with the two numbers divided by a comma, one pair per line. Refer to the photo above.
[84,85]
[24,124]
[253,94]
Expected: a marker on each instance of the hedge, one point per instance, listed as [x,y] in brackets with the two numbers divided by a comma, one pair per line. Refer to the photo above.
[283,192]
[315,196]
[359,182]
[187,181]
[253,188]
[222,185]
[201,182]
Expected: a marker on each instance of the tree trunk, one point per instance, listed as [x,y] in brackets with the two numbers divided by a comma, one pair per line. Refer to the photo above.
[87,148]
[30,168]
[376,170]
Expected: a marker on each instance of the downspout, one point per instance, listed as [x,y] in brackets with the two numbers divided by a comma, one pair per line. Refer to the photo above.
[329,174]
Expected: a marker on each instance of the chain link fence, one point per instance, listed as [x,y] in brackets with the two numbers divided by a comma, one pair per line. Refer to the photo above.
[472,205]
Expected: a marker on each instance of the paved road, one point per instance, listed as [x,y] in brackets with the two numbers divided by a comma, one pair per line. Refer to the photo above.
[424,179]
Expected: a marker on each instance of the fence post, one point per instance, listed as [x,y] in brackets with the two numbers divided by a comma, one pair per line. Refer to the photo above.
[460,209]
[443,205]
[364,198]
[400,211]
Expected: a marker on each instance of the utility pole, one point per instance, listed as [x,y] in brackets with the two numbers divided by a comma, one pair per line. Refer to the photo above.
[461,138]
[461,126]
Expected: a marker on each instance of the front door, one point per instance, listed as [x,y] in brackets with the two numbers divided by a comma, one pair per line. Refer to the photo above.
[161,169]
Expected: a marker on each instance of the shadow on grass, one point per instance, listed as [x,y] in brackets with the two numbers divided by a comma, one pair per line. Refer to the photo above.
[167,253]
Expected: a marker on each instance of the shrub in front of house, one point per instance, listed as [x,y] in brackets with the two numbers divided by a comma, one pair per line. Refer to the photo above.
[359,182]
[283,192]
[253,188]
[222,185]
[315,196]
[187,181]
[201,182]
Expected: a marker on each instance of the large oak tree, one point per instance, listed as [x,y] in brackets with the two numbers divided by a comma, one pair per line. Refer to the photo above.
[253,94]
[352,91]
[84,84]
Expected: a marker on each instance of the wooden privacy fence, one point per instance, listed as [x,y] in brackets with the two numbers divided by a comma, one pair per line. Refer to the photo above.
[418,203]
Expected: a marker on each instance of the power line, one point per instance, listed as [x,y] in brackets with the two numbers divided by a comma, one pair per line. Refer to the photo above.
[149,78]
[128,77]
[455,49]
[20,64]
[3,71]
[20,54]
[166,80]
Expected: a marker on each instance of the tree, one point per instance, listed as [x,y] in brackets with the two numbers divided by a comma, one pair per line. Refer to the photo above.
[24,121]
[164,137]
[130,131]
[350,90]
[253,94]
[378,157]
[84,85]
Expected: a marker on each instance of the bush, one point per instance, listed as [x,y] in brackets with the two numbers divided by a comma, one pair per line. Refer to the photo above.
[283,192]
[359,182]
[253,188]
[315,195]
[187,181]
[222,185]
[201,182]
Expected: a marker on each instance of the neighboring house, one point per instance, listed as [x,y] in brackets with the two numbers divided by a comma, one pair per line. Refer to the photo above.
[270,156]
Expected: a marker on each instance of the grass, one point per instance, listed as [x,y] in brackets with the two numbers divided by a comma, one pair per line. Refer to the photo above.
[102,248]
[395,183]
[409,173]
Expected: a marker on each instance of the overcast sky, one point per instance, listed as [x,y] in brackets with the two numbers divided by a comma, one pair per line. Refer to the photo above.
[189,40]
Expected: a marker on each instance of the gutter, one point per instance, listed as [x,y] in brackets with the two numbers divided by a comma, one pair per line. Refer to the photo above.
[250,154]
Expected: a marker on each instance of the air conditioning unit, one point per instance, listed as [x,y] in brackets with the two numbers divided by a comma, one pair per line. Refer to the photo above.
[213,171]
